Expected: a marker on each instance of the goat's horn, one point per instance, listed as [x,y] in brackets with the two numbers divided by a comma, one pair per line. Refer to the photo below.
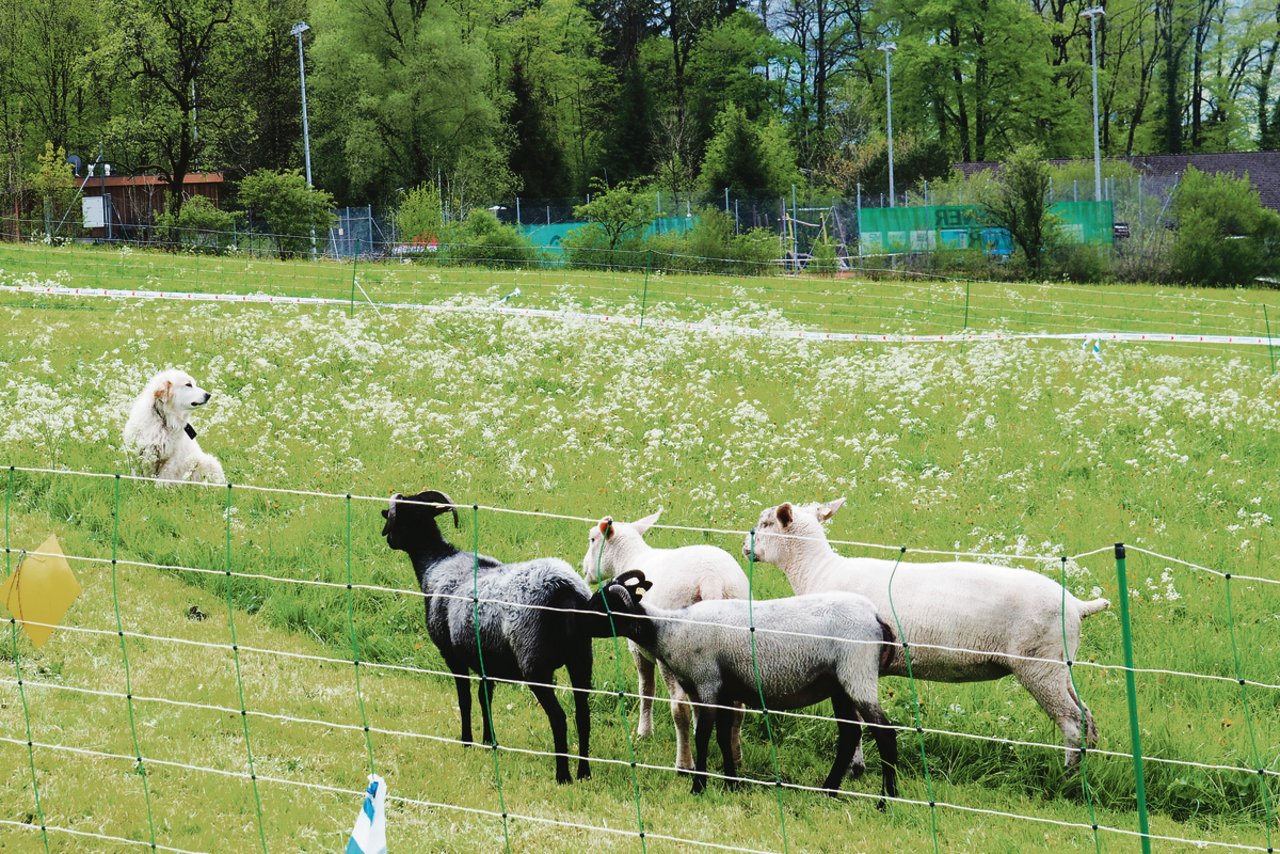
[435,496]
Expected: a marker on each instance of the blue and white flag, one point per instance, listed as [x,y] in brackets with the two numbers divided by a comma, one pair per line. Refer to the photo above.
[369,836]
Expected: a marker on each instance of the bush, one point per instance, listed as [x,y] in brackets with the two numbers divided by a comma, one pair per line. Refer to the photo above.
[421,214]
[1225,236]
[1081,263]
[710,246]
[823,258]
[198,227]
[485,242]
[292,210]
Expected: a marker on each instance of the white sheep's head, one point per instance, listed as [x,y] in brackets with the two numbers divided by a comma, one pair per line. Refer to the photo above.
[603,540]
[780,528]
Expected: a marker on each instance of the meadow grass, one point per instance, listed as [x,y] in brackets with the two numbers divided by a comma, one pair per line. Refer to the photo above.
[1009,448]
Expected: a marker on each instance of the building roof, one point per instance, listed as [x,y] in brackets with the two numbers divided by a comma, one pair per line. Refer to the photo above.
[1262,167]
[152,180]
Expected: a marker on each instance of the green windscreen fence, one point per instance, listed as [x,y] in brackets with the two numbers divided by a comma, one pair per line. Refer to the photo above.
[547,237]
[925,229]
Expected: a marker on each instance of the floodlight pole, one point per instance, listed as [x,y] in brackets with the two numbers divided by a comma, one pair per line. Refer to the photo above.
[1092,14]
[889,48]
[298,29]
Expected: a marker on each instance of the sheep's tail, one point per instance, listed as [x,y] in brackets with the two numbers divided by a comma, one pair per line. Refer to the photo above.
[888,648]
[1088,609]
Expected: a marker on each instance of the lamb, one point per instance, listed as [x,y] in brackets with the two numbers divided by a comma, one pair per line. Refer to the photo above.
[822,646]
[1007,620]
[518,642]
[679,577]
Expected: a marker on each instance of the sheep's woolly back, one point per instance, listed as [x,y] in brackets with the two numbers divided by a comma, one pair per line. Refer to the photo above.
[709,644]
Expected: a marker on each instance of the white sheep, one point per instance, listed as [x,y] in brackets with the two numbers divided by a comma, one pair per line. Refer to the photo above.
[1007,620]
[680,577]
[806,649]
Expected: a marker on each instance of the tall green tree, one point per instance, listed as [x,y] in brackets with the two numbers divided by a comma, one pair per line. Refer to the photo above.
[1018,201]
[178,109]
[405,91]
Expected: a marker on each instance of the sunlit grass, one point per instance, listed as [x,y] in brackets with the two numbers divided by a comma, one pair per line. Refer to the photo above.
[1012,448]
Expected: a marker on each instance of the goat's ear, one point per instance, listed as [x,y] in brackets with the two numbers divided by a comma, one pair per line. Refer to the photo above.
[165,390]
[826,511]
[784,514]
[386,514]
[606,526]
[643,525]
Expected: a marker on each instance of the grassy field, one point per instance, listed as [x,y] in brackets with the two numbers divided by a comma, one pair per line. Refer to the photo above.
[1010,448]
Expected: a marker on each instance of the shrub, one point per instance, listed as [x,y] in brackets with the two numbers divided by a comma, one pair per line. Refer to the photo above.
[292,210]
[199,227]
[1019,203]
[421,214]
[1225,236]
[484,241]
[1076,262]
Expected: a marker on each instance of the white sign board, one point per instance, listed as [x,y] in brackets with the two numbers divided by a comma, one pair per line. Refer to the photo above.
[92,207]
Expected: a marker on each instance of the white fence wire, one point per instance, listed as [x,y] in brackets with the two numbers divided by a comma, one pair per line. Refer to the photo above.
[40,685]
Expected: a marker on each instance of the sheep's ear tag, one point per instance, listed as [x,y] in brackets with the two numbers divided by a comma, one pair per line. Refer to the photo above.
[190,431]
[606,526]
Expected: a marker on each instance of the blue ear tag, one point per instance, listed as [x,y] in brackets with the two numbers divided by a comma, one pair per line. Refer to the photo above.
[191,431]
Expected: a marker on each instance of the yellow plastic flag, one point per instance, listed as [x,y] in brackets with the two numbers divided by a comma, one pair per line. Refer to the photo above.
[41,590]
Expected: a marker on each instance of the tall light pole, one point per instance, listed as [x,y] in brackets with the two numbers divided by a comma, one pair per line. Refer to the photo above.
[1092,14]
[298,29]
[889,48]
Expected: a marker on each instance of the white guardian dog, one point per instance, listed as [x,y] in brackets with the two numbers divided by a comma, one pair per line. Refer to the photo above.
[158,433]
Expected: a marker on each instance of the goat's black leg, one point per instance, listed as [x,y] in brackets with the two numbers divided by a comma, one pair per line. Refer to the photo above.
[848,736]
[463,684]
[706,720]
[484,690]
[580,679]
[887,744]
[724,738]
[546,696]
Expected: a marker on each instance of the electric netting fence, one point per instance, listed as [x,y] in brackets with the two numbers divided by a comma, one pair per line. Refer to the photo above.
[871,304]
[1256,764]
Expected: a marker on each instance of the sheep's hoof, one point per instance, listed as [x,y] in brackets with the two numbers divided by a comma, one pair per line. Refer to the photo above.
[881,805]
[563,777]
[584,772]
[733,784]
[684,770]
[856,770]
[699,784]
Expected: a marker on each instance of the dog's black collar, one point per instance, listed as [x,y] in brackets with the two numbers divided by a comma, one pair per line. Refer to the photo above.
[191,431]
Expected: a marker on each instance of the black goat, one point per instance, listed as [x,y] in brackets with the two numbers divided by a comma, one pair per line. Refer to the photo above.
[518,643]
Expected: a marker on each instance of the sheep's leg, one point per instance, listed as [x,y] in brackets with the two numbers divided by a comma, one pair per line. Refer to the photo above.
[463,685]
[738,715]
[858,764]
[1090,728]
[644,670]
[724,738]
[580,678]
[682,714]
[887,745]
[848,736]
[1051,686]
[485,692]
[705,721]
[559,727]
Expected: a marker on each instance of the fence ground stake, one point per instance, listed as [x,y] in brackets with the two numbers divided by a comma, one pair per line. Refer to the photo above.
[1135,734]
[1270,351]
[644,296]
[355,260]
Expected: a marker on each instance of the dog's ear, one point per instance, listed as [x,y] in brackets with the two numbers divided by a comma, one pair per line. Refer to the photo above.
[165,391]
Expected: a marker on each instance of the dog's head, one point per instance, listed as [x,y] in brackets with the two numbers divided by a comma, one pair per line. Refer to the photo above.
[177,392]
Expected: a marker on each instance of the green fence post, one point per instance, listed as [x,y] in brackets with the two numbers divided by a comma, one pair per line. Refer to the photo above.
[1135,734]
[644,297]
[966,303]
[355,260]
[1270,351]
